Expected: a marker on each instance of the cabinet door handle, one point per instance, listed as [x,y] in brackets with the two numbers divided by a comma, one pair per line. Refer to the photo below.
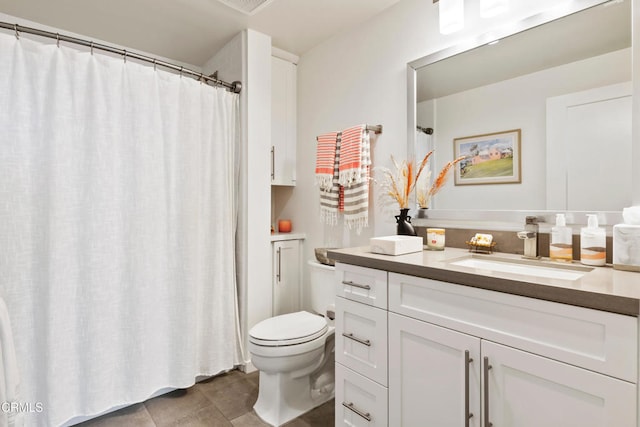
[278,275]
[273,163]
[357,285]
[485,369]
[350,406]
[467,415]
[356,339]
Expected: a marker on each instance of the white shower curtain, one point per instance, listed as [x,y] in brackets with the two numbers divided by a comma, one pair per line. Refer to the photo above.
[117,225]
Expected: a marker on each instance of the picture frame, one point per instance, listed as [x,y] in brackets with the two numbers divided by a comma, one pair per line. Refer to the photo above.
[491,158]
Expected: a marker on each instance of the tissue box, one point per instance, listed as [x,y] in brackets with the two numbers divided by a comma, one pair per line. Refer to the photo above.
[396,245]
[626,247]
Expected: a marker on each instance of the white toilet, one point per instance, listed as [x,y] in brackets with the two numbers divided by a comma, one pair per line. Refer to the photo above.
[295,354]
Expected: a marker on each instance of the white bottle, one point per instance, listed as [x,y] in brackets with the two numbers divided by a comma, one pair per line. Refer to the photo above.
[593,243]
[560,243]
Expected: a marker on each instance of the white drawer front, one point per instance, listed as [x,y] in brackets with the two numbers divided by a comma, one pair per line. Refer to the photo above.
[365,285]
[359,401]
[361,339]
[599,341]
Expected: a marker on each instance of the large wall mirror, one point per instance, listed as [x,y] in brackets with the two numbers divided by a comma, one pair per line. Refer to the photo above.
[563,81]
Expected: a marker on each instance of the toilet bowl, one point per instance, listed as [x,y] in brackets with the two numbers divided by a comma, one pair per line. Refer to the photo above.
[294,353]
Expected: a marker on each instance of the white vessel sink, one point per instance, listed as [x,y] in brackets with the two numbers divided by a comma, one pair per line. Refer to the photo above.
[522,267]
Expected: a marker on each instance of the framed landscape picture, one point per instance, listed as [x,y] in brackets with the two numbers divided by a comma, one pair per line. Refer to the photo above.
[493,158]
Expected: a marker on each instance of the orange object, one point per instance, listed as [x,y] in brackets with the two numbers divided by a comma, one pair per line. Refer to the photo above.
[284,226]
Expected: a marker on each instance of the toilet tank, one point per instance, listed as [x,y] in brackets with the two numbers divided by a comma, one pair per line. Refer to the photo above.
[321,284]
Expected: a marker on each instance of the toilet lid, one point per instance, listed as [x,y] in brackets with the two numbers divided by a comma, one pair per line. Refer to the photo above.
[288,329]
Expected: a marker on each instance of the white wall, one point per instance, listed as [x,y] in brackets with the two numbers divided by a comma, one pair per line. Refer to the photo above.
[360,77]
[228,60]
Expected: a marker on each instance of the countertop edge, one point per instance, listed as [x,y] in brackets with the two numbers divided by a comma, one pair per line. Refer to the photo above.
[581,298]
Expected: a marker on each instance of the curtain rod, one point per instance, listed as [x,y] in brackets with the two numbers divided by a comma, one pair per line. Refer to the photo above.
[234,87]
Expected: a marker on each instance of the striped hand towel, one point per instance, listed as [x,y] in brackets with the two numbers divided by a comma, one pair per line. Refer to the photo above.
[325,159]
[356,196]
[351,155]
[331,199]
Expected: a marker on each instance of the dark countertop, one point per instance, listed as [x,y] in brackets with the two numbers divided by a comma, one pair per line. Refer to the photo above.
[603,288]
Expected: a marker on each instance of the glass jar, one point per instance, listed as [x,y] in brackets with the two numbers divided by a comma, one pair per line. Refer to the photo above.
[435,239]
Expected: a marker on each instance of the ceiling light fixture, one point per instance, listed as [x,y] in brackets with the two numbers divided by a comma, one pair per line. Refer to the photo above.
[489,8]
[451,15]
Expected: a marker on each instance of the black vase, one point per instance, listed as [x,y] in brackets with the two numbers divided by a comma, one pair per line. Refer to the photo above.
[404,224]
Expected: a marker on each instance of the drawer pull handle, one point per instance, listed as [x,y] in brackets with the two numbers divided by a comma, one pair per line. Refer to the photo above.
[360,340]
[486,368]
[357,285]
[467,415]
[351,407]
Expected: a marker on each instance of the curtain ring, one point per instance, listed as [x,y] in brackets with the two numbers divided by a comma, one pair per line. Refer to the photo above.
[181,68]
[202,80]
[155,61]
[91,48]
[15,27]
[125,55]
[58,39]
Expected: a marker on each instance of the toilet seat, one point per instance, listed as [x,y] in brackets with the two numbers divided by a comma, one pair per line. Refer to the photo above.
[288,329]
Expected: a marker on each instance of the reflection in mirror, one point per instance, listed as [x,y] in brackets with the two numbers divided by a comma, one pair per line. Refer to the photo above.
[565,84]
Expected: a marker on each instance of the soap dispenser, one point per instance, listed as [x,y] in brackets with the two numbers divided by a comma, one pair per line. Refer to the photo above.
[560,243]
[593,243]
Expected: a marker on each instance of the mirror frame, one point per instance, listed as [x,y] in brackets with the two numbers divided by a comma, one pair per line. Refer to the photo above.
[473,43]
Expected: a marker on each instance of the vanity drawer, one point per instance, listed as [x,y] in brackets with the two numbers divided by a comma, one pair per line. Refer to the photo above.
[596,340]
[365,285]
[361,339]
[359,401]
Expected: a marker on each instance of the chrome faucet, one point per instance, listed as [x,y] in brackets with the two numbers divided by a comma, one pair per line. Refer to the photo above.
[530,237]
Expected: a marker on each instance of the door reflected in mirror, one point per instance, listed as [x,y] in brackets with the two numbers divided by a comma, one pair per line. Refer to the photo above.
[566,84]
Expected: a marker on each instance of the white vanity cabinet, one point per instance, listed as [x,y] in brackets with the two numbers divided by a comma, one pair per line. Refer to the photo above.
[434,375]
[361,347]
[523,389]
[461,356]
[283,122]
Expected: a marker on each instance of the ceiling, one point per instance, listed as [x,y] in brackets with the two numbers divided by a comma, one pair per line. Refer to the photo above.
[192,31]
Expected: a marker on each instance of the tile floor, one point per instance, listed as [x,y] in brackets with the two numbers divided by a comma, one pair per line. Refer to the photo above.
[222,401]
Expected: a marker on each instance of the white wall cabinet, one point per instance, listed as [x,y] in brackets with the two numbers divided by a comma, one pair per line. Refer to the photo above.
[283,122]
[286,279]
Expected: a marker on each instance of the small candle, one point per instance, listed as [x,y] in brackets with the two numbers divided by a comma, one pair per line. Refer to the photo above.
[435,238]
[284,226]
